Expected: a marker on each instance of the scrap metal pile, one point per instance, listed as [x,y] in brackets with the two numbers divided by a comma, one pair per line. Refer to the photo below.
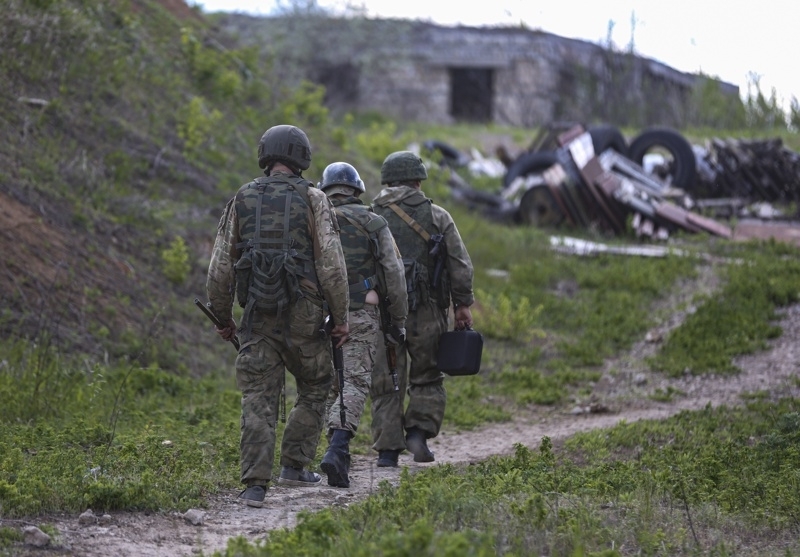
[594,178]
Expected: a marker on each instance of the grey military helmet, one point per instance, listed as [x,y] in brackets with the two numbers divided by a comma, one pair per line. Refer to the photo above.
[402,166]
[286,144]
[340,174]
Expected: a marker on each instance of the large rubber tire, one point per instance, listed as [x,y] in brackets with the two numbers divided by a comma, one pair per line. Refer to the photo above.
[529,163]
[682,167]
[608,137]
[450,155]
[539,208]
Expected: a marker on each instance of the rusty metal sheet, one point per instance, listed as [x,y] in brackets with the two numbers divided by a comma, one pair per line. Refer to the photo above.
[592,172]
[710,225]
[569,135]
[788,232]
[676,215]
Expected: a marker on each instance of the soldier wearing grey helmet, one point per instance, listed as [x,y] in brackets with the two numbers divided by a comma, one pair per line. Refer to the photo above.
[375,275]
[277,251]
[438,271]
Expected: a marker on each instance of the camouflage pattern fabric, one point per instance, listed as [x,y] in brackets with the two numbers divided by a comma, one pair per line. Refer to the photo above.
[259,376]
[359,363]
[416,361]
[419,379]
[278,343]
[365,256]
[377,256]
[325,251]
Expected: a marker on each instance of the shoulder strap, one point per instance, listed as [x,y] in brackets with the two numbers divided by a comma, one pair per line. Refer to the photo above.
[411,222]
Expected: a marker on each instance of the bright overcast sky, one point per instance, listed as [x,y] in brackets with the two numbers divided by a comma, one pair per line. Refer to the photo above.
[730,40]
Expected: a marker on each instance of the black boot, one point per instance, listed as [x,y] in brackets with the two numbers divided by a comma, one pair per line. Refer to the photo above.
[388,459]
[336,462]
[417,443]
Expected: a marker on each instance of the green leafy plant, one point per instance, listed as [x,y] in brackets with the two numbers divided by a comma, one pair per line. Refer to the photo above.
[175,260]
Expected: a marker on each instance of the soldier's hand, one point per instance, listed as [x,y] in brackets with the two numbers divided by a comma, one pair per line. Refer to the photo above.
[463,318]
[229,331]
[341,333]
[395,335]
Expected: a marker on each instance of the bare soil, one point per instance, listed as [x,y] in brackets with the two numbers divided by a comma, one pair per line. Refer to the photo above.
[623,393]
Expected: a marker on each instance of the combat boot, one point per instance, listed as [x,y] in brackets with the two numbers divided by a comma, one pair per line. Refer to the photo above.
[253,496]
[298,477]
[388,459]
[336,462]
[416,442]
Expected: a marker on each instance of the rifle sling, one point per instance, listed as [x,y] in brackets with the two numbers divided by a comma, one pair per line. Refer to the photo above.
[410,221]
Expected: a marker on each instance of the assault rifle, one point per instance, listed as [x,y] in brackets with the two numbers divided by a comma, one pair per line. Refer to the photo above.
[439,253]
[391,353]
[324,332]
[338,364]
[206,308]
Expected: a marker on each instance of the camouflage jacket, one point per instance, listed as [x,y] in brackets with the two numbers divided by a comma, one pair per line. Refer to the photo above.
[458,264]
[370,251]
[329,264]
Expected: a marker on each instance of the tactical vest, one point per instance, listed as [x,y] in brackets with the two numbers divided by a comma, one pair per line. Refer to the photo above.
[277,250]
[414,248]
[358,232]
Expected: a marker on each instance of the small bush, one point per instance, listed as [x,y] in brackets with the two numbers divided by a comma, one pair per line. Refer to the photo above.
[175,260]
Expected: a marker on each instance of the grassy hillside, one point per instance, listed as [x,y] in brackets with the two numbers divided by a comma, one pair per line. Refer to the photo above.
[126,126]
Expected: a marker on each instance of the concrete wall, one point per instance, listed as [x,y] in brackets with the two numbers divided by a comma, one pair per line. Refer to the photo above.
[403,69]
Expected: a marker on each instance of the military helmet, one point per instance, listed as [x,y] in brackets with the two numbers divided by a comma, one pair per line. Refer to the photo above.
[402,166]
[341,174]
[286,144]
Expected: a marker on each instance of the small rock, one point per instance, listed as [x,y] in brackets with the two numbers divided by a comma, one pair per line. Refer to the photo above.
[639,379]
[35,537]
[194,517]
[105,520]
[87,517]
[576,411]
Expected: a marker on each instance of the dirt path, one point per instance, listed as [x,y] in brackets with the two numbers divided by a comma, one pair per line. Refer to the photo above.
[622,394]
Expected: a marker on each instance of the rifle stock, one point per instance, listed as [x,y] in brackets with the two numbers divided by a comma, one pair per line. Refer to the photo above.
[206,308]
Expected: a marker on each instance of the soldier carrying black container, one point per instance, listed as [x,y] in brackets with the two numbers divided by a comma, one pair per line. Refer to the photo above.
[438,270]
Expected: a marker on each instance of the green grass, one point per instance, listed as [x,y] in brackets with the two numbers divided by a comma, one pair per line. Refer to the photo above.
[146,416]
[689,485]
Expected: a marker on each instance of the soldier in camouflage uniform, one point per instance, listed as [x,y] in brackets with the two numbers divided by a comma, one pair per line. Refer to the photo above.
[418,225]
[375,274]
[278,250]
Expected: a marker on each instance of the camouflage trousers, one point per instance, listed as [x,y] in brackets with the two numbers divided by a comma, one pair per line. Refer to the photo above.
[419,378]
[359,361]
[260,369]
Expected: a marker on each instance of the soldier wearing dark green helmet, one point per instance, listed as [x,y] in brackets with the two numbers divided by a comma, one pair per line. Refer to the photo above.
[403,166]
[278,253]
[435,278]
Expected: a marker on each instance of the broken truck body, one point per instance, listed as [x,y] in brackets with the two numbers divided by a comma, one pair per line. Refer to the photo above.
[593,179]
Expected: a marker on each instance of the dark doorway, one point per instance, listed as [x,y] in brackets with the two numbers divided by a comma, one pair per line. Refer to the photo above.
[341,84]
[471,94]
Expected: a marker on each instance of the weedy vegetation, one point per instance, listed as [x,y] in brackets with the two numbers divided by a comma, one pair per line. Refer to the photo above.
[115,396]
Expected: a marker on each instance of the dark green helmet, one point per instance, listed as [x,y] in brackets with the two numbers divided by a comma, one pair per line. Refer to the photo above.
[402,166]
[341,174]
[286,144]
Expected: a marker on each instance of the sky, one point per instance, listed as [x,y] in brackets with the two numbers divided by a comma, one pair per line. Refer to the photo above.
[732,40]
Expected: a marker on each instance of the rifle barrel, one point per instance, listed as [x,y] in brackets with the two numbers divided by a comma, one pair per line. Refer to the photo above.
[206,309]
